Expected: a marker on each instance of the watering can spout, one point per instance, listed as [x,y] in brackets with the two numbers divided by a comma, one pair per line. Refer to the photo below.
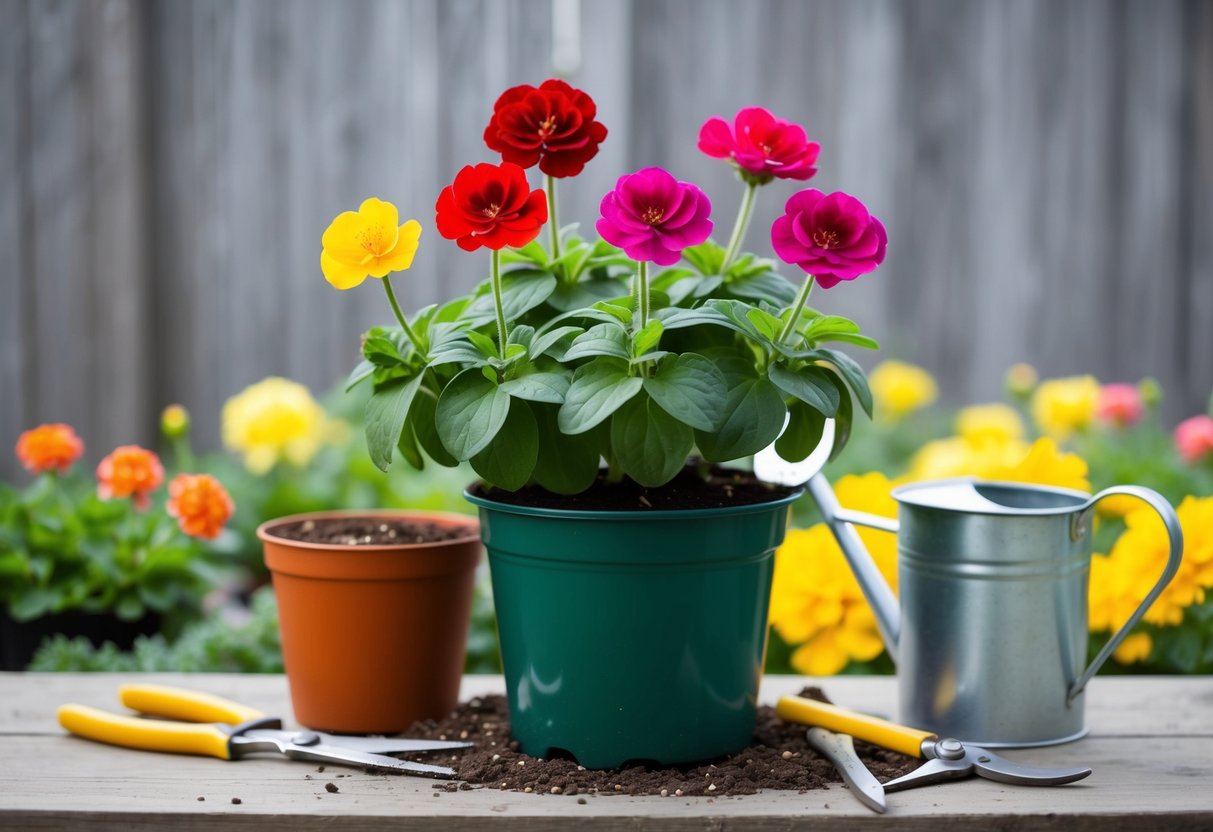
[876,590]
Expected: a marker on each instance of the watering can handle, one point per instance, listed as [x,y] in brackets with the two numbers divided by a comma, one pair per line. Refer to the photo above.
[1175,534]
[841,522]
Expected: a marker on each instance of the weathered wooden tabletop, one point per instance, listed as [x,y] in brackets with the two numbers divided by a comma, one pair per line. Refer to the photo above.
[1151,748]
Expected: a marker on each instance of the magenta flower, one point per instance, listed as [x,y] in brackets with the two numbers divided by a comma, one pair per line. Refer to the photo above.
[1120,405]
[761,145]
[1194,438]
[831,237]
[653,216]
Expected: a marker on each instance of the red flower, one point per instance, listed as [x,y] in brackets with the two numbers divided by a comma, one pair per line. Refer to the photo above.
[491,205]
[552,125]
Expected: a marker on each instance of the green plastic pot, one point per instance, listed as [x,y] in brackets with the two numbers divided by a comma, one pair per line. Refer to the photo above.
[632,635]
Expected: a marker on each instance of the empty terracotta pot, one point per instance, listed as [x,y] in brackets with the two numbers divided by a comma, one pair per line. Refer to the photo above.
[373,636]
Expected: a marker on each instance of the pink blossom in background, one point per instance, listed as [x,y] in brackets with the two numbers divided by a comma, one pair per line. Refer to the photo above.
[761,145]
[1194,438]
[653,216]
[1120,405]
[832,237]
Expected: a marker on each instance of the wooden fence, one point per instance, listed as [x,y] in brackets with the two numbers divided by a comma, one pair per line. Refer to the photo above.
[1045,170]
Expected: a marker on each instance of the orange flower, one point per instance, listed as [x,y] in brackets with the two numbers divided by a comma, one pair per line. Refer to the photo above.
[130,471]
[200,503]
[49,448]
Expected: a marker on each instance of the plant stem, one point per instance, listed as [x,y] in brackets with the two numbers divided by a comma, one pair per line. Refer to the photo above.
[642,292]
[553,223]
[794,319]
[404,322]
[502,332]
[739,227]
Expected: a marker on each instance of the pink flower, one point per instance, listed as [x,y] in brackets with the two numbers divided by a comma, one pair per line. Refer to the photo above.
[653,216]
[1120,405]
[761,145]
[1194,438]
[831,237]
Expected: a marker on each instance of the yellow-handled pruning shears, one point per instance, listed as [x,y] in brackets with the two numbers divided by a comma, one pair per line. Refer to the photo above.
[946,758]
[202,723]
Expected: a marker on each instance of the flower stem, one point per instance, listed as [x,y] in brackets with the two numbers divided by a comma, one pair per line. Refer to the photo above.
[404,322]
[642,292]
[502,332]
[553,223]
[739,227]
[794,319]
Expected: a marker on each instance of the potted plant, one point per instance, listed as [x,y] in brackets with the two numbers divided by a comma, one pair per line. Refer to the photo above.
[597,386]
[94,560]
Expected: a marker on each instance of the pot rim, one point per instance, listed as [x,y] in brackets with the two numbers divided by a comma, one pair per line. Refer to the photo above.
[471,527]
[640,514]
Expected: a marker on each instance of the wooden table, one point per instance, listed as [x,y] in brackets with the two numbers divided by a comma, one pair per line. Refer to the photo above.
[1151,748]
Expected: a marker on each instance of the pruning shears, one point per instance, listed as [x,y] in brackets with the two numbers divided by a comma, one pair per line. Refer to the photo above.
[201,723]
[946,758]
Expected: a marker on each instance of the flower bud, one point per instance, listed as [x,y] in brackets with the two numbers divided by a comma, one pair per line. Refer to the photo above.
[175,422]
[1151,392]
[1021,380]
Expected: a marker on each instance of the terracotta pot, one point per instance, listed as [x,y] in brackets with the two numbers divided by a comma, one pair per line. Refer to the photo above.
[373,637]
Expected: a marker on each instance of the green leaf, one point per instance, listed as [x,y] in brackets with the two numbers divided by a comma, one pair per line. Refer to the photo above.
[572,296]
[421,417]
[520,335]
[360,373]
[599,388]
[803,433]
[381,350]
[765,323]
[650,445]
[470,412]
[812,385]
[542,343]
[843,419]
[858,340]
[647,338]
[853,374]
[691,389]
[386,411]
[618,311]
[706,257]
[566,464]
[532,252]
[457,352]
[539,387]
[507,461]
[409,450]
[483,343]
[34,602]
[521,291]
[828,325]
[754,413]
[768,286]
[600,339]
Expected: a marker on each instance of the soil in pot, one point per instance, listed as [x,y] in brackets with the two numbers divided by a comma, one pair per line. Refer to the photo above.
[723,487]
[366,531]
[779,757]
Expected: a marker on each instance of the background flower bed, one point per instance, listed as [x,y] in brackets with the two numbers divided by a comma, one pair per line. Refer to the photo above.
[290,453]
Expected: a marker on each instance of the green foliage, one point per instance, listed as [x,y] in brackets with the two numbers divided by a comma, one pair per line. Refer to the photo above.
[62,548]
[714,350]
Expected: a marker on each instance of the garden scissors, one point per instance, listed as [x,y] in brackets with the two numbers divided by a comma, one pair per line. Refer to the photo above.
[201,723]
[946,758]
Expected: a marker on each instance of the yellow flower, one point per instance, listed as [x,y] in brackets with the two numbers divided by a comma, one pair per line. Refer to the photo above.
[816,602]
[899,388]
[367,243]
[1122,579]
[1135,648]
[272,420]
[1062,406]
[1014,461]
[989,424]
[1044,464]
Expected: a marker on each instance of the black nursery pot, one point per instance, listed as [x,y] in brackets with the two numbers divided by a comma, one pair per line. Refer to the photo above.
[19,640]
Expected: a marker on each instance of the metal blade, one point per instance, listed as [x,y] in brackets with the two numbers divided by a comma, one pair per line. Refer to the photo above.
[337,754]
[372,745]
[932,771]
[1002,770]
[840,750]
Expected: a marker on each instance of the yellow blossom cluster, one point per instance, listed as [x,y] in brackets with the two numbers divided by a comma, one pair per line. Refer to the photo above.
[899,389]
[816,602]
[276,419]
[1122,578]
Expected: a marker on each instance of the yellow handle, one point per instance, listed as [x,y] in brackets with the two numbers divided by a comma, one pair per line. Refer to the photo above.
[144,734]
[185,705]
[861,726]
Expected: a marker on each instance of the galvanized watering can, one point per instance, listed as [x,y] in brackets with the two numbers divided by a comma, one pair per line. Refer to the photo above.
[990,637]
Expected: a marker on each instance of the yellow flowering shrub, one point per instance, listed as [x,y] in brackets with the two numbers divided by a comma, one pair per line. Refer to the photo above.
[899,388]
[816,602]
[1062,406]
[275,419]
[1122,578]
